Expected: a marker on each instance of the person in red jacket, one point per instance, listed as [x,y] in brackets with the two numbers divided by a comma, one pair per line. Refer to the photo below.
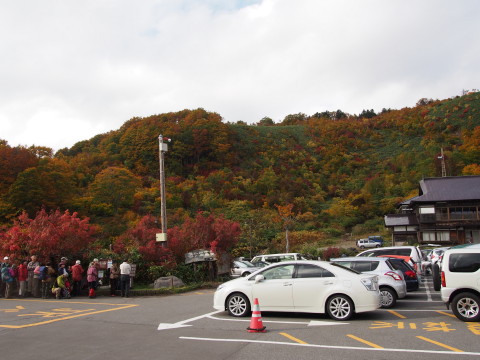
[22,279]
[77,275]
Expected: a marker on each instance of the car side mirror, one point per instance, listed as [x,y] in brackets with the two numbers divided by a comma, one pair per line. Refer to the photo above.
[259,278]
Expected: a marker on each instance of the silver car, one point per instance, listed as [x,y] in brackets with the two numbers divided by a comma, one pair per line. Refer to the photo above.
[242,268]
[390,281]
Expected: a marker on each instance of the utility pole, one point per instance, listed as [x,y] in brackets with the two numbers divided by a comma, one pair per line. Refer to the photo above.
[442,159]
[163,148]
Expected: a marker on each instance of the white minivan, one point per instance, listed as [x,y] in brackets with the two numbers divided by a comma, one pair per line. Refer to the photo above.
[460,276]
[274,258]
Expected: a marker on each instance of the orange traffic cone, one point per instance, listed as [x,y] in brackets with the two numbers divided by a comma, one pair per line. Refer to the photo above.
[256,324]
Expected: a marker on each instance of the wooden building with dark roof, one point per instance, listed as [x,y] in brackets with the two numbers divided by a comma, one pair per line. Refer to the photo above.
[445,212]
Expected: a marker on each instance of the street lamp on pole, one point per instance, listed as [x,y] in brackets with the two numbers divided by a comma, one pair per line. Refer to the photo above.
[163,148]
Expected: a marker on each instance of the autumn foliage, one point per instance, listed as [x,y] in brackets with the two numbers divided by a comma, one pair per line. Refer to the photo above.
[204,232]
[230,185]
[48,235]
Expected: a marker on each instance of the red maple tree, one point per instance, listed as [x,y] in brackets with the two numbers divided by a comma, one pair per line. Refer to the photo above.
[48,235]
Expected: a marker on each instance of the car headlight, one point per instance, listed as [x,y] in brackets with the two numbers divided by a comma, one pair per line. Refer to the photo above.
[220,287]
[370,284]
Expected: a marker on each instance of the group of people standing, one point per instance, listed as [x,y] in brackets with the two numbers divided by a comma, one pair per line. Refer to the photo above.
[37,279]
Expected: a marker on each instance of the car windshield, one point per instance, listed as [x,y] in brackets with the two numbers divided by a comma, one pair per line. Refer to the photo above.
[261,264]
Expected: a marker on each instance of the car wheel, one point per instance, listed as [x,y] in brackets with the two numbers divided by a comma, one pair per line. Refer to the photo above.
[466,306]
[238,305]
[437,282]
[362,247]
[339,307]
[388,297]
[246,273]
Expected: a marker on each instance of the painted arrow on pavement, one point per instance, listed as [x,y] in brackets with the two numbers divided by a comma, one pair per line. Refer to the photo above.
[166,326]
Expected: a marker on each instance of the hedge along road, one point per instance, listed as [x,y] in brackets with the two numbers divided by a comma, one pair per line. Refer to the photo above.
[185,326]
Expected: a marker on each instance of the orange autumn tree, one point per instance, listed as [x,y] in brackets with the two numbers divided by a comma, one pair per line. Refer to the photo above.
[208,232]
[287,218]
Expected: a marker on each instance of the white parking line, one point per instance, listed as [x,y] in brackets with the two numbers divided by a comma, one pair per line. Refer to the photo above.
[309,323]
[450,353]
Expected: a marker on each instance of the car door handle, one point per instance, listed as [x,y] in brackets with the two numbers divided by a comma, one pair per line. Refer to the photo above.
[327,282]
[287,284]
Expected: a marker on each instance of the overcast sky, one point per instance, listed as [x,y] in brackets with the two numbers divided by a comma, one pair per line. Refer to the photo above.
[70,70]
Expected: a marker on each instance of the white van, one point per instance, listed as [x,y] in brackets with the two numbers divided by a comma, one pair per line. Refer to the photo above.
[461,282]
[274,258]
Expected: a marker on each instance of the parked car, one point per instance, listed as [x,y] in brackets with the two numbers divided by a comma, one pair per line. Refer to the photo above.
[242,268]
[275,258]
[409,274]
[436,262]
[308,286]
[376,238]
[461,282]
[436,254]
[412,251]
[390,281]
[366,243]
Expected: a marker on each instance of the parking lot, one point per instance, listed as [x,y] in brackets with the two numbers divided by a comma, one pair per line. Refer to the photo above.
[186,326]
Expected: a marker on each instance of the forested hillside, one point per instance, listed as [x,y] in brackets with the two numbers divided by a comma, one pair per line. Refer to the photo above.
[318,176]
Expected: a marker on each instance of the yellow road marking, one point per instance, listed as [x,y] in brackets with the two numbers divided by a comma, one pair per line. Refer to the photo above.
[119,307]
[397,314]
[17,309]
[445,313]
[439,344]
[60,301]
[365,342]
[293,338]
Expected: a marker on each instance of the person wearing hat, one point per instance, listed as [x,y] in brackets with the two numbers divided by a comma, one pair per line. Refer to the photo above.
[33,283]
[3,284]
[62,266]
[7,277]
[77,275]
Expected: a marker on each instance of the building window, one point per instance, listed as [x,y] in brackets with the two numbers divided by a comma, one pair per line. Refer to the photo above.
[469,213]
[463,213]
[428,236]
[443,236]
[438,236]
[427,210]
[442,214]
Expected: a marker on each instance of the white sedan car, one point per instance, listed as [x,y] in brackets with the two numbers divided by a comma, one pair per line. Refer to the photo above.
[301,286]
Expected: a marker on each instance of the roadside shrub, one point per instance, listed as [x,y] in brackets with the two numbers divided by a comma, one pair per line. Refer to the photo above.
[331,252]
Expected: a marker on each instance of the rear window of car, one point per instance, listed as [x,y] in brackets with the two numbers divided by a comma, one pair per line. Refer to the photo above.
[363,266]
[464,262]
[399,264]
[360,266]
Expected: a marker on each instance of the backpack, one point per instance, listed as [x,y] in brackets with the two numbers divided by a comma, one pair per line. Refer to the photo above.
[6,274]
[43,273]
